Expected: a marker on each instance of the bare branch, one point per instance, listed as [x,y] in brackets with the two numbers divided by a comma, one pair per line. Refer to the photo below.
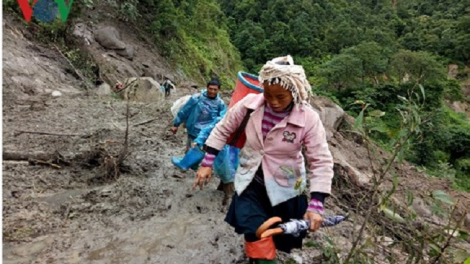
[19,132]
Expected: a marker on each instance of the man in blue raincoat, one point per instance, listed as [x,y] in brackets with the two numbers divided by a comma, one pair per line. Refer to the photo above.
[201,110]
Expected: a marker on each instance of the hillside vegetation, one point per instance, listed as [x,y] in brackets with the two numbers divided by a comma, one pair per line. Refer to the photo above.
[194,36]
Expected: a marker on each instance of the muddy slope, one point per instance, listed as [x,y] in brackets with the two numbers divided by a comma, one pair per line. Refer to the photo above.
[64,210]
[64,216]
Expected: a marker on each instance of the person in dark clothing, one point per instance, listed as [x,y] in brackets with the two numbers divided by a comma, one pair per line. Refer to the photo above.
[168,86]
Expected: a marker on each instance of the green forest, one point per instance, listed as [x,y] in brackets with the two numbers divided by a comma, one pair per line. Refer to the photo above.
[369,50]
[358,50]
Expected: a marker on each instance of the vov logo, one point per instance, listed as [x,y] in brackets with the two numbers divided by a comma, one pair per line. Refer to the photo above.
[45,10]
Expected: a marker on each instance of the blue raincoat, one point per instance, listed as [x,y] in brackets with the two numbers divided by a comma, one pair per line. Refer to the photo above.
[226,163]
[199,112]
[204,133]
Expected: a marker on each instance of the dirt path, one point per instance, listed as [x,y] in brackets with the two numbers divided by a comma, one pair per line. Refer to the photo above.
[147,216]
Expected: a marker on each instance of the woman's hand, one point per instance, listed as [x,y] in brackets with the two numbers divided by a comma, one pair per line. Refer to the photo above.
[315,220]
[203,176]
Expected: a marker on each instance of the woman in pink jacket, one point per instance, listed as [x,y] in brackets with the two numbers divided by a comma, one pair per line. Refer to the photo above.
[271,176]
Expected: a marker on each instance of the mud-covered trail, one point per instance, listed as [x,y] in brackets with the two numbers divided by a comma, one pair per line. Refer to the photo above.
[63,211]
[148,215]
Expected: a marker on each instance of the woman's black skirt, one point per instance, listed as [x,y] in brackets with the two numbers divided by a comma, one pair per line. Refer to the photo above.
[252,208]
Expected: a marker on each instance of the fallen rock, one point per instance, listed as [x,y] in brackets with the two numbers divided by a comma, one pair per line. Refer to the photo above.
[127,53]
[148,70]
[109,38]
[56,94]
[330,113]
[142,89]
[384,240]
[103,89]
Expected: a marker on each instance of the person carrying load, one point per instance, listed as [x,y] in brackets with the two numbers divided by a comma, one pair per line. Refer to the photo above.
[271,175]
[226,162]
[168,85]
[200,111]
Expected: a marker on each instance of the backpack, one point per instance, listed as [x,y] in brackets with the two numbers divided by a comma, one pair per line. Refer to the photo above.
[178,104]
[246,83]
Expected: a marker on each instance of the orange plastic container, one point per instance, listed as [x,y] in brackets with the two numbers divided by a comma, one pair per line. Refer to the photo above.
[246,83]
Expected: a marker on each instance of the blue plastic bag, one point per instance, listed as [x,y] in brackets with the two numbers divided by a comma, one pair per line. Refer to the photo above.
[226,164]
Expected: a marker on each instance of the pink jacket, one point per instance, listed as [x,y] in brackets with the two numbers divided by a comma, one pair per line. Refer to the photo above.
[281,152]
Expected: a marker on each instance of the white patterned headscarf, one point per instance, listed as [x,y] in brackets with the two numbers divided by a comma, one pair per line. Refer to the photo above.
[292,77]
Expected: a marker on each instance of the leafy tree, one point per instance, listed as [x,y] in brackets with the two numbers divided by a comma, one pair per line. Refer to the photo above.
[373,59]
[166,26]
[341,35]
[462,42]
[416,67]
[342,71]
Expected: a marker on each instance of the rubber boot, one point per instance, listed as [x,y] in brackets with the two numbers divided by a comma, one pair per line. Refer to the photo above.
[261,251]
[192,158]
